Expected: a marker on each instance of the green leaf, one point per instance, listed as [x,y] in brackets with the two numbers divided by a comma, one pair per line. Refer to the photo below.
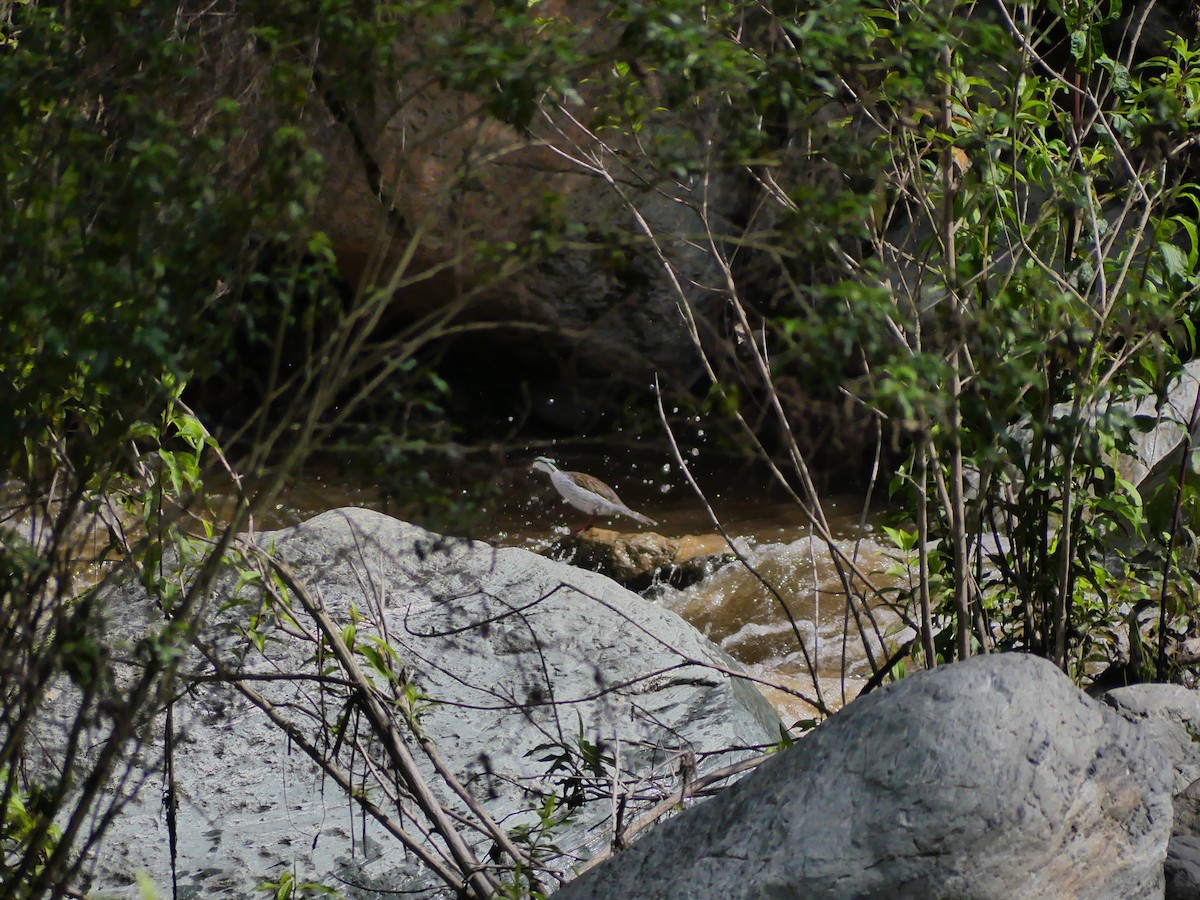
[1174,260]
[1079,45]
[904,540]
[375,658]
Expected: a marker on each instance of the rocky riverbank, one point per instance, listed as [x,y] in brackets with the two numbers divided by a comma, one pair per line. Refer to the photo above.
[548,704]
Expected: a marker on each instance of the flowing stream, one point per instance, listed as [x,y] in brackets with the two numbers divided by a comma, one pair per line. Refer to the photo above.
[793,596]
[783,614]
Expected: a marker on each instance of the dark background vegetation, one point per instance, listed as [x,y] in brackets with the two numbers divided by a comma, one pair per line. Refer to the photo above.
[957,244]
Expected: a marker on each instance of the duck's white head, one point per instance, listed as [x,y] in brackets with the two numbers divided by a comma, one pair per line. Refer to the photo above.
[542,464]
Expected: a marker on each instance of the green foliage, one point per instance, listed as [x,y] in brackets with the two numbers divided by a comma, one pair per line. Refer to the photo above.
[982,231]
[289,887]
[577,765]
[130,219]
[23,831]
[1055,289]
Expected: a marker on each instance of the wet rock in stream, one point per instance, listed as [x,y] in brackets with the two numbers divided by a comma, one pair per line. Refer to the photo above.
[638,560]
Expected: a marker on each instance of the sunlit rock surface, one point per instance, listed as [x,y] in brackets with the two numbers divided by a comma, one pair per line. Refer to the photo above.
[511,651]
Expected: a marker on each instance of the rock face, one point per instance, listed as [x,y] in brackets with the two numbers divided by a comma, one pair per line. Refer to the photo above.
[993,778]
[509,652]
[638,560]
[1157,442]
[1173,711]
[450,174]
[1156,452]
[1182,867]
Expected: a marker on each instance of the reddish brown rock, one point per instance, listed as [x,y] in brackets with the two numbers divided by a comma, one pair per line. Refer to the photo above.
[637,560]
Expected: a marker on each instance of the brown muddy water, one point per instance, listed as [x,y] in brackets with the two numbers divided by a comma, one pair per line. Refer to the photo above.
[732,607]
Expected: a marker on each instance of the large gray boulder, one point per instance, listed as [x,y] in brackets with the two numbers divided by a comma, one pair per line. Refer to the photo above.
[993,778]
[509,651]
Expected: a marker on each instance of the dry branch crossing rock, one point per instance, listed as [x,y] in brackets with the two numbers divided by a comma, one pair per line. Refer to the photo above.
[993,778]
